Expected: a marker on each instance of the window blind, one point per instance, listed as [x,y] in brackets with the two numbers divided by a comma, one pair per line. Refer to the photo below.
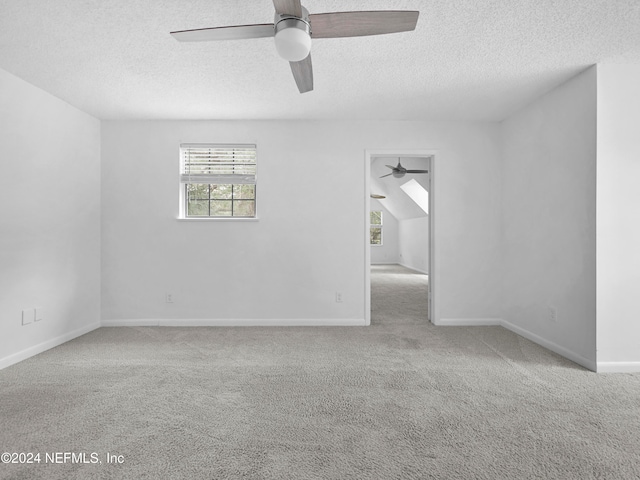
[218,164]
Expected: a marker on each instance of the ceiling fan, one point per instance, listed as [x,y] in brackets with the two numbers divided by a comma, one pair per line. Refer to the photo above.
[399,171]
[293,28]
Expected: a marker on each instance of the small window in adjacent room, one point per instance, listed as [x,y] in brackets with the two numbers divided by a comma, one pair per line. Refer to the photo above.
[218,181]
[375,232]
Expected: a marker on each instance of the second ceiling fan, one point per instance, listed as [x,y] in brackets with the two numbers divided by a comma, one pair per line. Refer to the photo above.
[399,171]
[293,28]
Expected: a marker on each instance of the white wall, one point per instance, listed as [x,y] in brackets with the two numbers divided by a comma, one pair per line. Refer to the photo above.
[549,201]
[414,243]
[532,212]
[310,239]
[618,218]
[49,219]
[388,252]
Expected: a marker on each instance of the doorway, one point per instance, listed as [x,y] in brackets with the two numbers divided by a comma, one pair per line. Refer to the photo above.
[399,211]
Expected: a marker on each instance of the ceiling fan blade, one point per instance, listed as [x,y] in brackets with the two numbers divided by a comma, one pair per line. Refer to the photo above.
[356,24]
[288,7]
[386,175]
[225,33]
[417,171]
[303,74]
[392,168]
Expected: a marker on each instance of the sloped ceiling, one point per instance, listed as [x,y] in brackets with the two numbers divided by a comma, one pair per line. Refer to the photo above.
[399,204]
[467,59]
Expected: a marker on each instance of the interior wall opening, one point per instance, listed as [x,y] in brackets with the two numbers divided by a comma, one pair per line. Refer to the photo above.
[399,240]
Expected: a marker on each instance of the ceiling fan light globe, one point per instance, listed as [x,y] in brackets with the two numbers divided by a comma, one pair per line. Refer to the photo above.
[293,41]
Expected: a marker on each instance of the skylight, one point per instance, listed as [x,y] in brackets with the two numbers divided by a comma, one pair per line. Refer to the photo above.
[417,193]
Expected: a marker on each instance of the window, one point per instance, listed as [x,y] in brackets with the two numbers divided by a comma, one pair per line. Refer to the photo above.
[417,193]
[218,181]
[375,232]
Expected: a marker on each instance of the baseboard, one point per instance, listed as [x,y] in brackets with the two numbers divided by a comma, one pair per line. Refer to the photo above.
[554,347]
[549,345]
[136,322]
[424,272]
[618,367]
[468,322]
[235,322]
[44,346]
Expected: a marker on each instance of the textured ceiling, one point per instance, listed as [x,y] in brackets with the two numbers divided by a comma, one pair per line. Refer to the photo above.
[467,59]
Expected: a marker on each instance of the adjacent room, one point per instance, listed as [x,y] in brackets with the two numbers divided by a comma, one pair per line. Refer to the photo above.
[399,238]
[414,257]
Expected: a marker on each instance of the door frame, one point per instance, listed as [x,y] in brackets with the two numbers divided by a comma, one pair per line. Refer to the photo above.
[432,154]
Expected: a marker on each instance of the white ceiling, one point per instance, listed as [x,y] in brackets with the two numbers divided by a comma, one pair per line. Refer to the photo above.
[399,204]
[467,59]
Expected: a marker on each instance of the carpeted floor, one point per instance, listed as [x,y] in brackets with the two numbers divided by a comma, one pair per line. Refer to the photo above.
[403,400]
[398,296]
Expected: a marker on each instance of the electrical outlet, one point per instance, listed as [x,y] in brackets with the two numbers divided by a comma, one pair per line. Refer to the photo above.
[168,297]
[28,316]
[553,314]
[338,297]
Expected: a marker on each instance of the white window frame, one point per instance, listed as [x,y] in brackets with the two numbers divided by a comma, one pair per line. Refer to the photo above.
[219,172]
[378,226]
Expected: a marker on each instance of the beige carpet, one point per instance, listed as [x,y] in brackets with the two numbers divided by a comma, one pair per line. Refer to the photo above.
[403,400]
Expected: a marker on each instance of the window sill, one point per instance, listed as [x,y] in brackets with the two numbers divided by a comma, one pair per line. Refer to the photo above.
[219,219]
